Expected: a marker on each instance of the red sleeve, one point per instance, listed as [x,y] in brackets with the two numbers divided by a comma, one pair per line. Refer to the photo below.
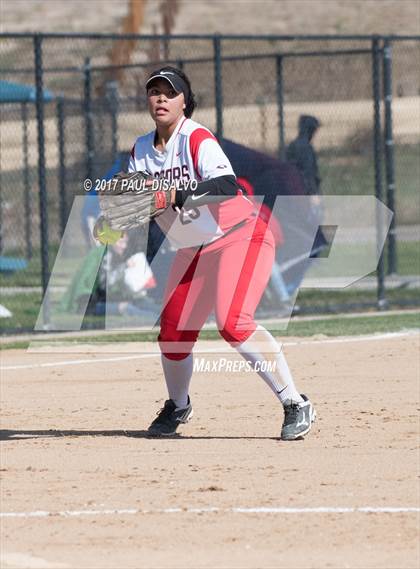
[196,139]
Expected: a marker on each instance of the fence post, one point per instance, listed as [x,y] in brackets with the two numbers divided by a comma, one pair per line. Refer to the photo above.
[112,97]
[43,204]
[376,92]
[26,186]
[280,105]
[389,153]
[61,165]
[88,118]
[218,87]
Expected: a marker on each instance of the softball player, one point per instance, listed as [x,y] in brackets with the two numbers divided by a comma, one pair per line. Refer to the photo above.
[224,256]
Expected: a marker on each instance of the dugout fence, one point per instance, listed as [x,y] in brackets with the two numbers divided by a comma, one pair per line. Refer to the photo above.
[251,90]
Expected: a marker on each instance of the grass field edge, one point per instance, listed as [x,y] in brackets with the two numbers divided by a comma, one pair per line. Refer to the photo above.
[339,326]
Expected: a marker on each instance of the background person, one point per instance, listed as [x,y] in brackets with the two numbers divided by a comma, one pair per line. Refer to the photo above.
[302,153]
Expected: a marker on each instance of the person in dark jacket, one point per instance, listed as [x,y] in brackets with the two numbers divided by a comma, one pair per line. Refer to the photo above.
[301,153]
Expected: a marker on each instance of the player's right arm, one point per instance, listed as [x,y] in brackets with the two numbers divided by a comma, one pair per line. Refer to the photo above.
[137,162]
[132,166]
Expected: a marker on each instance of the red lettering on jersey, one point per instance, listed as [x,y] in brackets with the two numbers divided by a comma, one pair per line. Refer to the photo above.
[175,173]
[185,172]
[196,138]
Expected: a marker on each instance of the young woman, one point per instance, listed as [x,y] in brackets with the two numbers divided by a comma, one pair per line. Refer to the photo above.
[224,256]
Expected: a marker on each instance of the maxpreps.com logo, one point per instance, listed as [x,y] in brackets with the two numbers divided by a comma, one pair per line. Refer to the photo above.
[236,366]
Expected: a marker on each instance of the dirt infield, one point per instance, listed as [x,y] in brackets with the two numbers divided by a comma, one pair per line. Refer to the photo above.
[80,490]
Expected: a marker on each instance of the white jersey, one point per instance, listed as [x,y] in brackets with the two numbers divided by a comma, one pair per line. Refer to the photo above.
[191,153]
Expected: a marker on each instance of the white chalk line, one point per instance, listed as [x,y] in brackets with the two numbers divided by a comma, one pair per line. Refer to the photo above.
[78,362]
[362,338]
[25,561]
[349,339]
[211,509]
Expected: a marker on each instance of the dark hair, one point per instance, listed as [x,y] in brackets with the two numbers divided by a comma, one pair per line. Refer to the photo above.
[190,103]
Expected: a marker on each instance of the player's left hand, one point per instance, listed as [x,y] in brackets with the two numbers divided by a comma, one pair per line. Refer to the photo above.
[131,201]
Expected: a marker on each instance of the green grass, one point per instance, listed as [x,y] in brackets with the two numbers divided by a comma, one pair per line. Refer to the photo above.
[354,326]
[331,327]
[347,173]
[31,276]
[327,300]
[408,258]
[25,307]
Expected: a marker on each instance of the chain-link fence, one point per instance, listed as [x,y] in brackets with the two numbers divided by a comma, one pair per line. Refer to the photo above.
[67,114]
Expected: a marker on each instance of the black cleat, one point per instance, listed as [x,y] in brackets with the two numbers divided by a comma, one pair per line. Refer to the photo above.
[168,419]
[298,419]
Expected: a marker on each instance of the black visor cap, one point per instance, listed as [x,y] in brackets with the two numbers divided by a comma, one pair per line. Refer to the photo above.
[179,85]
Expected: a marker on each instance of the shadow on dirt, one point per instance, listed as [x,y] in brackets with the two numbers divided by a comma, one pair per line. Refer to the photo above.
[23,435]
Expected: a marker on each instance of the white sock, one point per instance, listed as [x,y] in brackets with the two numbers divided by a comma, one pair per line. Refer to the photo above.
[178,376]
[262,347]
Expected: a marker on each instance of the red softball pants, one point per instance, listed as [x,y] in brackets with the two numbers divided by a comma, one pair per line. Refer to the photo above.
[228,276]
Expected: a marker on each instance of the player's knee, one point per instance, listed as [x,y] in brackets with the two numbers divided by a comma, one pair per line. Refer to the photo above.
[176,356]
[237,330]
[176,344]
